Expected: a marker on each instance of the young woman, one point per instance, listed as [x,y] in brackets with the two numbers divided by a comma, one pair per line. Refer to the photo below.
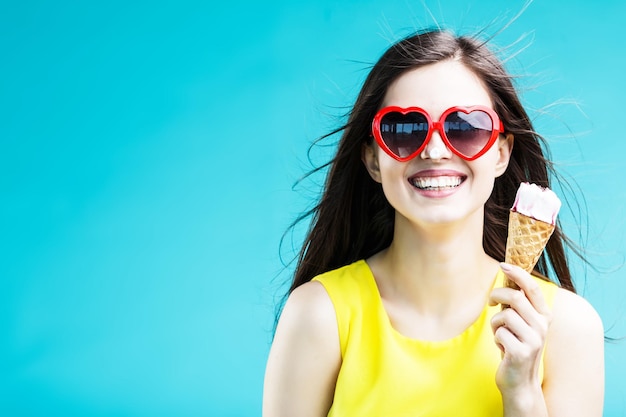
[395,307]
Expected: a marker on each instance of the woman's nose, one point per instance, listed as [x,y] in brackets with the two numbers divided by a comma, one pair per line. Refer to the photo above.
[436,149]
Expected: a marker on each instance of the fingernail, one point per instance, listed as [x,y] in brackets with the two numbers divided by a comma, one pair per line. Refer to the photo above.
[505,267]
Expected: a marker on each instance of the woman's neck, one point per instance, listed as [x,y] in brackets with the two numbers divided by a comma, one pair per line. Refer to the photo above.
[435,268]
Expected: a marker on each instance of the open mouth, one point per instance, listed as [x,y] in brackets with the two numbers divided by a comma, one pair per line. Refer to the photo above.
[436,183]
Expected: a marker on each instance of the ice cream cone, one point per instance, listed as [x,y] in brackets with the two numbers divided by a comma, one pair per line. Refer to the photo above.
[526,240]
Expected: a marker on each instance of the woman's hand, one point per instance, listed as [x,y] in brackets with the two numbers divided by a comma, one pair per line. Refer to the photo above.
[520,332]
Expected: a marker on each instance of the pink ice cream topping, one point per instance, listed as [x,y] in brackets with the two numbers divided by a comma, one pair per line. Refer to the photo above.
[537,202]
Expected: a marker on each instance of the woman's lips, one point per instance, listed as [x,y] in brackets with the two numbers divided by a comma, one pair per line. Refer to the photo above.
[437,180]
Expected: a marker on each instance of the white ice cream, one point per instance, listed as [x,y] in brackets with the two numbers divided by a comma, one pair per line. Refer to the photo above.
[537,202]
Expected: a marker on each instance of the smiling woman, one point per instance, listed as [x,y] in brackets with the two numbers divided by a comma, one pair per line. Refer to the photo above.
[147,155]
[394,308]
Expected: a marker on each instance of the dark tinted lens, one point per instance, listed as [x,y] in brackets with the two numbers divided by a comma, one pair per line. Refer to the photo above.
[468,133]
[404,133]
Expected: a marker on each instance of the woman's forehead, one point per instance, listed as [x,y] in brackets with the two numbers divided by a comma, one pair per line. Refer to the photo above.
[437,87]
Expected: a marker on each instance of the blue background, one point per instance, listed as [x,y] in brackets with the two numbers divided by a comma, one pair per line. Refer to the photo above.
[147,155]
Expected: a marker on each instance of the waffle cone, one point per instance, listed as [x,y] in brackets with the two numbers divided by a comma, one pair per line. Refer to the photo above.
[526,240]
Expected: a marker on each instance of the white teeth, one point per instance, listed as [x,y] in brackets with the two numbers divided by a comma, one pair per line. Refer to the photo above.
[430,183]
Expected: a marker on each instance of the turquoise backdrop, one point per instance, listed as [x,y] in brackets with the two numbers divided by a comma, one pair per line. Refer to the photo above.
[147,155]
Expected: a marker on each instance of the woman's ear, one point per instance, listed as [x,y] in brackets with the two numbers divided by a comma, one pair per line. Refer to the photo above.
[505,147]
[370,160]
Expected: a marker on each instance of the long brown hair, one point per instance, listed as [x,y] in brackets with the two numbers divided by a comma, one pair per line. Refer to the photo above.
[353,219]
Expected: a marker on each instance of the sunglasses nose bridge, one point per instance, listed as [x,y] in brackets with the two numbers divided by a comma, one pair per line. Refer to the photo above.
[436,146]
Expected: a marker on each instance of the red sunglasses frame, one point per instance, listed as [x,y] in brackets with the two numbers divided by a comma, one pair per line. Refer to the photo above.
[496,126]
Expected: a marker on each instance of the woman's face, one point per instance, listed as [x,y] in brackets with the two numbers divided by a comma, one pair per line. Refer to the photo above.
[438,186]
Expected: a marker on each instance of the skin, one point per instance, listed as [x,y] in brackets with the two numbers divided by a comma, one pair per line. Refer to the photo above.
[435,279]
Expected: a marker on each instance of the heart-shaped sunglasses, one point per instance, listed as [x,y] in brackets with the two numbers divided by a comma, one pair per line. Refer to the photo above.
[468,132]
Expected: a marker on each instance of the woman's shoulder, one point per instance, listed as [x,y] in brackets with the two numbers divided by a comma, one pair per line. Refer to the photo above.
[314,303]
[576,332]
[574,356]
[307,324]
[573,313]
[310,307]
[312,300]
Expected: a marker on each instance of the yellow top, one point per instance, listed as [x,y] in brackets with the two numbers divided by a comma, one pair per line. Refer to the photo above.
[386,374]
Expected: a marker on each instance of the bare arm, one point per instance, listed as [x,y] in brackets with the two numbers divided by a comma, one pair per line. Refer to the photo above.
[574,359]
[305,356]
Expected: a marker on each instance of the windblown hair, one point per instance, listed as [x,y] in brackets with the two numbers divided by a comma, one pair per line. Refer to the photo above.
[353,219]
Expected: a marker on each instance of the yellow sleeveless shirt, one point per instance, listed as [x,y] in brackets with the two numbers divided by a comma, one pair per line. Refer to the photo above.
[386,374]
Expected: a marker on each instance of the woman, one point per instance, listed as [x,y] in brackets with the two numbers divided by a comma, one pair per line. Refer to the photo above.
[395,308]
